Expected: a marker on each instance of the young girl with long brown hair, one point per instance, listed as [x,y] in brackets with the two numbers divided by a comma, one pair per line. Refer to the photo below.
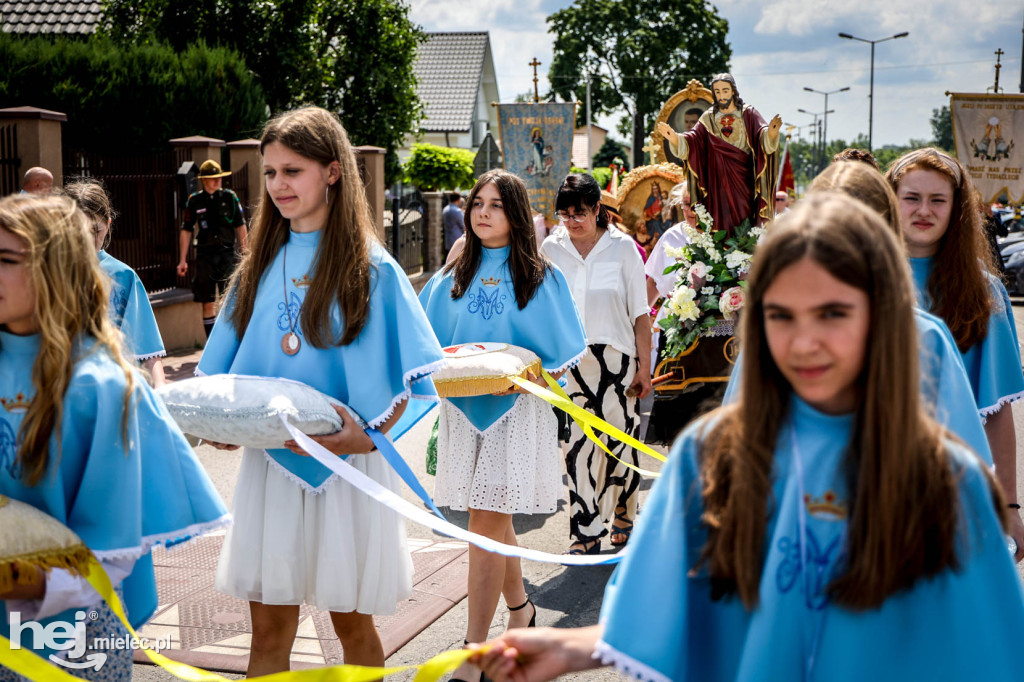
[82,437]
[499,455]
[317,299]
[780,542]
[956,280]
[945,387]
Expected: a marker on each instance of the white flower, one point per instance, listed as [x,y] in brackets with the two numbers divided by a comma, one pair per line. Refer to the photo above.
[707,291]
[676,252]
[737,260]
[703,216]
[715,256]
[697,271]
[731,301]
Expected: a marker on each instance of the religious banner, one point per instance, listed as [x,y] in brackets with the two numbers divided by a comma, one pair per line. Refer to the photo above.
[986,129]
[536,143]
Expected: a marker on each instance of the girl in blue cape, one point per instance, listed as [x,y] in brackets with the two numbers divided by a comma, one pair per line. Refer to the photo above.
[780,542]
[317,299]
[129,304]
[944,384]
[82,436]
[499,455]
[955,279]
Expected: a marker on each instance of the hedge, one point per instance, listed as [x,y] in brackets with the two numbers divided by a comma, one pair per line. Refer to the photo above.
[131,100]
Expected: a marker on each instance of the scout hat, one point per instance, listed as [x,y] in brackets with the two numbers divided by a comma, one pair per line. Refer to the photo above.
[610,201]
[212,169]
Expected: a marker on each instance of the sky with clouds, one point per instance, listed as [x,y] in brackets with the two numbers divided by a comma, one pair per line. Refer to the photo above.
[781,46]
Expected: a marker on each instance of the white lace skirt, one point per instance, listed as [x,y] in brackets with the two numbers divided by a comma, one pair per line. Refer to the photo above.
[513,467]
[336,549]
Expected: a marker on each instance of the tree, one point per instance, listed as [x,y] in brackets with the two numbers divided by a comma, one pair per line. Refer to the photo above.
[354,57]
[637,54]
[942,128]
[609,151]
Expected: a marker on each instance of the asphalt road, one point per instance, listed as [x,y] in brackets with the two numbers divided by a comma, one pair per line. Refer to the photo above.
[565,597]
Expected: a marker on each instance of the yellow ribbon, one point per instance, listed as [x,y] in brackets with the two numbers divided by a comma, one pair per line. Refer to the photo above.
[588,422]
[28,664]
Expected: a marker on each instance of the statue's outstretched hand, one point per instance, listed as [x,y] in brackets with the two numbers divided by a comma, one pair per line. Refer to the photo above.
[774,126]
[669,134]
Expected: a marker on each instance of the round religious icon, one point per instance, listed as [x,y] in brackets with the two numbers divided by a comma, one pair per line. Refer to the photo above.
[681,112]
[643,205]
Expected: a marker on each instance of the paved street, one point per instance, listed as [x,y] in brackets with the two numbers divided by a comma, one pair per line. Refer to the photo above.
[565,597]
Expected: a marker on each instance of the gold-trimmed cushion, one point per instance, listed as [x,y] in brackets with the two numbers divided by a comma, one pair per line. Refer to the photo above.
[483,368]
[31,539]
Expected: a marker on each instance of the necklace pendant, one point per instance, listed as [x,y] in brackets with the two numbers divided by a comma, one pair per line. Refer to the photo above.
[290,343]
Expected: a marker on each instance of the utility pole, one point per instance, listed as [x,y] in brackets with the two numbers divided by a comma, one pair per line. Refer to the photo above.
[536,94]
[999,55]
[590,150]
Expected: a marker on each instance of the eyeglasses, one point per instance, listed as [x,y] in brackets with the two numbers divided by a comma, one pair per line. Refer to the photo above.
[576,218]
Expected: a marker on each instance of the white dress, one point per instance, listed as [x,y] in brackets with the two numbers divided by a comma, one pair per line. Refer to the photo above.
[512,467]
[332,547]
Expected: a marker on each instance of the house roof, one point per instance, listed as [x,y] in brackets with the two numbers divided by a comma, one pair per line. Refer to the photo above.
[449,68]
[33,17]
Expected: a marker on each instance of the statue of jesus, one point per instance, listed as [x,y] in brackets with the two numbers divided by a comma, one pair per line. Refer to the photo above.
[731,157]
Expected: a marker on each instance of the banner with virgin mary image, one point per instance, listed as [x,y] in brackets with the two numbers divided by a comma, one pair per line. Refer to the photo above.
[536,143]
[986,129]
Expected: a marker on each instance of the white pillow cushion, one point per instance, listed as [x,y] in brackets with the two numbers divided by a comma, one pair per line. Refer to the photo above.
[482,368]
[245,410]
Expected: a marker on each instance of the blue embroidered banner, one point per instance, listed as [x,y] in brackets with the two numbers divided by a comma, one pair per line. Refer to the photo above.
[536,143]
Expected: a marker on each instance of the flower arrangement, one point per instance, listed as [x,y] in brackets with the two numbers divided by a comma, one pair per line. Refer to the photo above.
[711,289]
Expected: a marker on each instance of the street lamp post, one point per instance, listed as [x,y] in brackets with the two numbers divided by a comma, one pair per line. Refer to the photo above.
[819,146]
[827,112]
[871,95]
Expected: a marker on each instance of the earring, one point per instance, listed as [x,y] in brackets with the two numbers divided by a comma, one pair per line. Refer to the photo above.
[327,195]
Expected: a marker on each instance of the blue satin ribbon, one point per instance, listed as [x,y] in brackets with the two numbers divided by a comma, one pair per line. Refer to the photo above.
[400,466]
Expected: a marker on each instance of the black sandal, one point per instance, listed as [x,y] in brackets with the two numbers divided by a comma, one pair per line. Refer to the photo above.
[533,618]
[586,547]
[626,530]
[483,678]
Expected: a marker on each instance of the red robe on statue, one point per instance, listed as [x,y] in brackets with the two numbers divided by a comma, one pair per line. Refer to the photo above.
[732,184]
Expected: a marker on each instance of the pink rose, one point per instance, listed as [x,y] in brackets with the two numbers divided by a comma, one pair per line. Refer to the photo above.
[730,302]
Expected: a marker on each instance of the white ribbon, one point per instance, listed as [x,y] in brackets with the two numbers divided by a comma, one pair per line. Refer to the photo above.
[367,485]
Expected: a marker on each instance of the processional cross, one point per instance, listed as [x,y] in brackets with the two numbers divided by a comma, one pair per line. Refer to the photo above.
[536,95]
[999,55]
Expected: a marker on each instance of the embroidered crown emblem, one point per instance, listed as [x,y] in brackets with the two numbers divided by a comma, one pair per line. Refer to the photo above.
[828,506]
[302,283]
[490,282]
[15,404]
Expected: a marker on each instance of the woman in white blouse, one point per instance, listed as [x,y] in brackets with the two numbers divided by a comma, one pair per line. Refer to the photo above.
[606,274]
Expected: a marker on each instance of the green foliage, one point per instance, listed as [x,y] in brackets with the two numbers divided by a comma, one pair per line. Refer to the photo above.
[603,175]
[353,57]
[942,128]
[132,99]
[433,168]
[609,151]
[637,54]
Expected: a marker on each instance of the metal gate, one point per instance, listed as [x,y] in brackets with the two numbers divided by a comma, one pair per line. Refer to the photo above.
[405,226]
[144,192]
[9,160]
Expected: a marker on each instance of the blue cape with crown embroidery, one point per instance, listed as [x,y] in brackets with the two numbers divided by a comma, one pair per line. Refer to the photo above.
[121,497]
[993,365]
[384,365]
[549,325]
[130,309]
[661,624]
[944,384]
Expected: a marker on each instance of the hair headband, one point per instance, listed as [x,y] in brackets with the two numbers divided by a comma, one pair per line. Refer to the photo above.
[901,165]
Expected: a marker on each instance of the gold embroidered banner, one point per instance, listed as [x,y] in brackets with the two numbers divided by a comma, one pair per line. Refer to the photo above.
[536,143]
[989,135]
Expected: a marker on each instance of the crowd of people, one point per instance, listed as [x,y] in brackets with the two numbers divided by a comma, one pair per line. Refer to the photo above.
[845,515]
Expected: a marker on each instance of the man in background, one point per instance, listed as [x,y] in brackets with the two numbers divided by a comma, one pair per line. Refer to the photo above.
[453,221]
[37,181]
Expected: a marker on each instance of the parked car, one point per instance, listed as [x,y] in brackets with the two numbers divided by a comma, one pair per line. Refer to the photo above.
[1011,249]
